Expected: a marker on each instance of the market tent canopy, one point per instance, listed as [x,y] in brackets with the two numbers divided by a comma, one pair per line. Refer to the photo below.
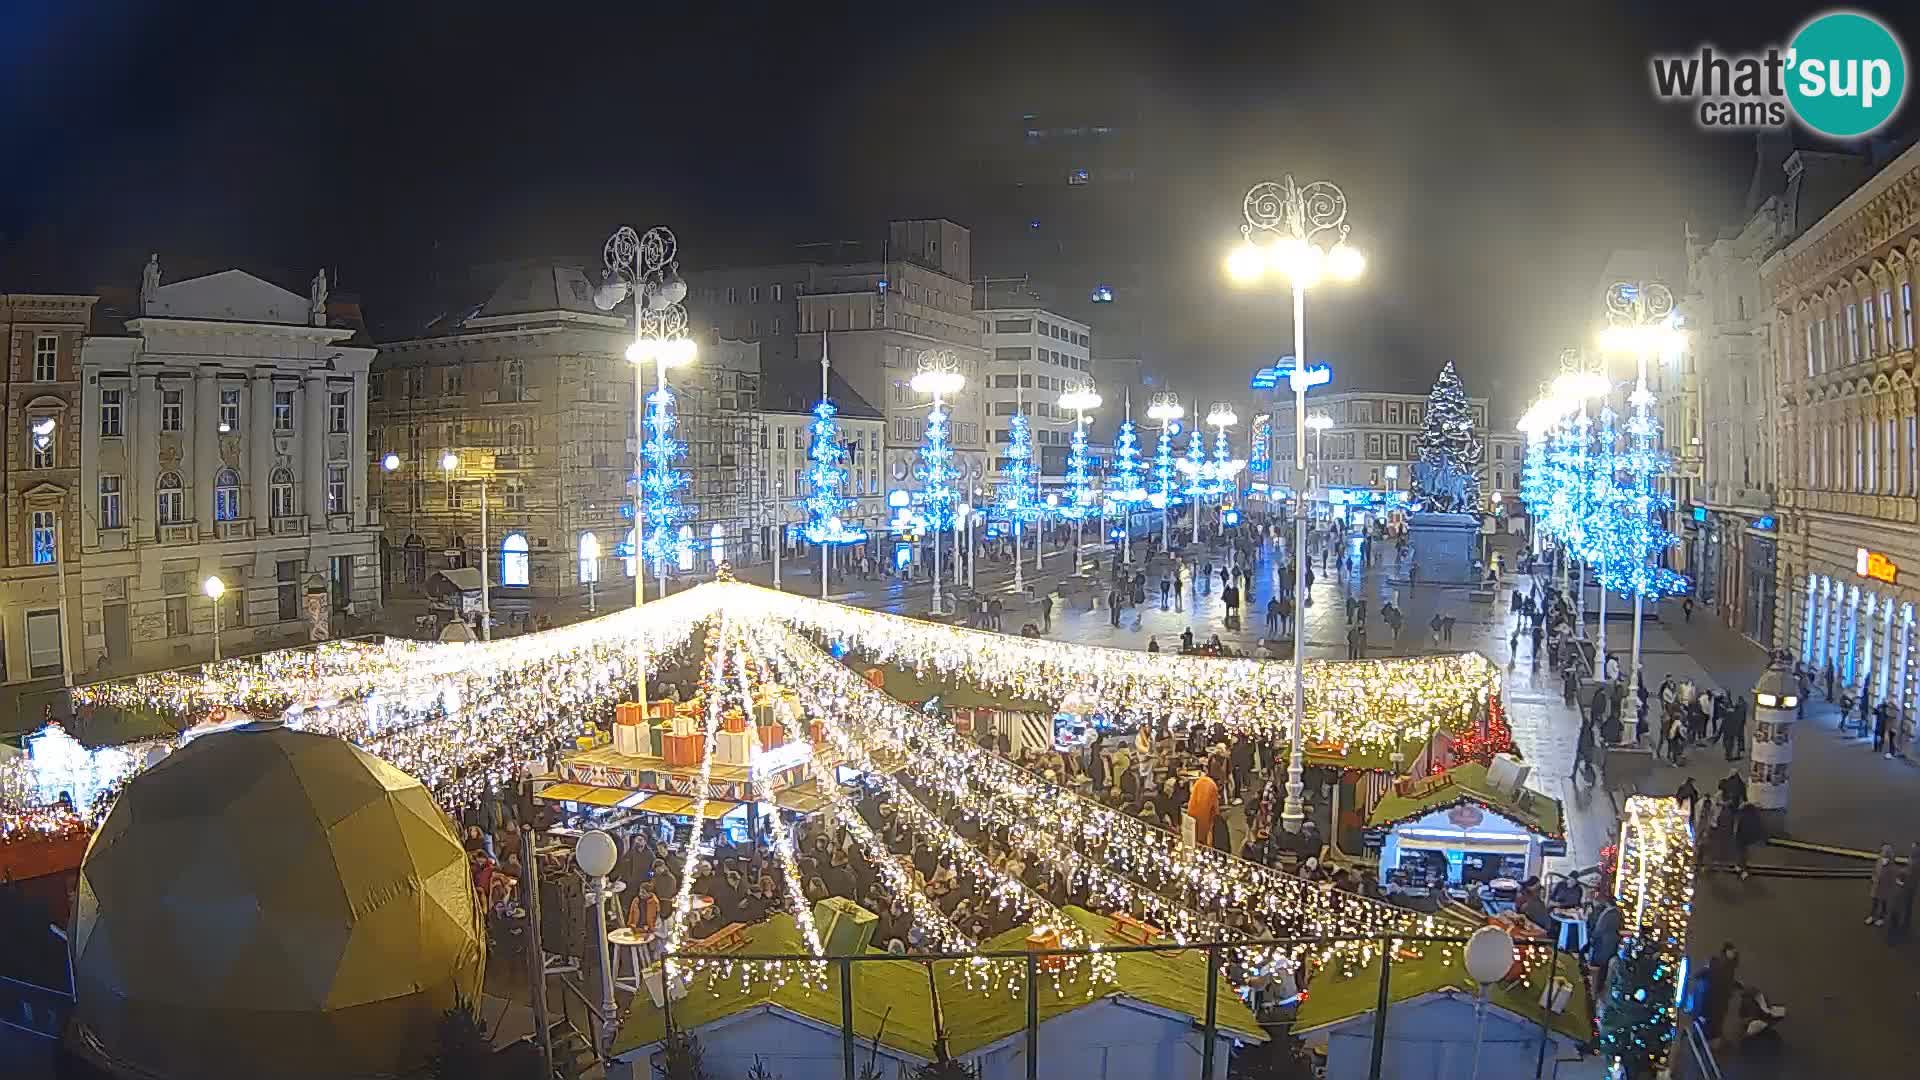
[1467,783]
[587,794]
[891,998]
[1333,997]
[455,579]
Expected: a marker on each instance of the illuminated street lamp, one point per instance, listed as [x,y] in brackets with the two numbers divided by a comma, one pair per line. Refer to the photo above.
[450,464]
[939,376]
[1302,233]
[1167,412]
[215,589]
[1079,399]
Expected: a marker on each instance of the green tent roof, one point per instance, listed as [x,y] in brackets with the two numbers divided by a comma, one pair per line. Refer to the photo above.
[896,993]
[1468,783]
[1333,997]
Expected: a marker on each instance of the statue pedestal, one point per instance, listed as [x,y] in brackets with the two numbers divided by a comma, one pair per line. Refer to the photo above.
[1444,546]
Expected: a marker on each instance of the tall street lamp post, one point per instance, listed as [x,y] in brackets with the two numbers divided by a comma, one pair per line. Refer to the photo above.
[1318,423]
[450,464]
[1079,399]
[939,375]
[645,268]
[215,589]
[1644,324]
[1303,232]
[1166,411]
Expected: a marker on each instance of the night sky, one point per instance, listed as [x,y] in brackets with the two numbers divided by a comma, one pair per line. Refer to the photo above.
[1492,155]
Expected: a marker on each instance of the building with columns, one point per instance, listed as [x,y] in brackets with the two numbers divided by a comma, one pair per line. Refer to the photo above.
[40,463]
[225,435]
[1841,305]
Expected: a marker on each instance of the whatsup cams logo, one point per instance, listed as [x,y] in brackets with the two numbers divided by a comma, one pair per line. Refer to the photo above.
[1844,74]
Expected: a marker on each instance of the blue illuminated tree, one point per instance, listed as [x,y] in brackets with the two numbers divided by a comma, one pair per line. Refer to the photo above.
[660,483]
[1567,466]
[1602,536]
[936,473]
[1019,496]
[1222,461]
[1079,503]
[1198,484]
[1536,479]
[1165,473]
[826,503]
[1644,540]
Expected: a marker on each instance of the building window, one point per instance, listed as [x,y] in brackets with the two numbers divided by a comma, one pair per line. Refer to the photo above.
[514,380]
[1812,338]
[286,576]
[171,501]
[171,409]
[632,549]
[1888,330]
[229,410]
[453,381]
[1853,334]
[336,489]
[110,412]
[773,292]
[46,358]
[283,410]
[454,497]
[280,493]
[43,529]
[718,541]
[226,496]
[177,625]
[42,446]
[1866,319]
[513,495]
[590,553]
[753,294]
[1906,310]
[109,502]
[337,403]
[516,437]
[513,560]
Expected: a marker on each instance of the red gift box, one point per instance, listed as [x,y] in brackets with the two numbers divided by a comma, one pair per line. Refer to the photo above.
[627,712]
[817,732]
[660,710]
[683,749]
[735,720]
[771,735]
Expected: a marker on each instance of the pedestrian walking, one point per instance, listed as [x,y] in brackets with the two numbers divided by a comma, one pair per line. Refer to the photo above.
[1113,607]
[1900,910]
[1880,894]
[1733,730]
[1413,580]
[1273,617]
[1046,614]
[1435,627]
[1686,609]
[1446,629]
[1166,589]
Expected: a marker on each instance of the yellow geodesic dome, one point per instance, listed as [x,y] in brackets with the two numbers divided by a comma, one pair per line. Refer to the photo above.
[267,902]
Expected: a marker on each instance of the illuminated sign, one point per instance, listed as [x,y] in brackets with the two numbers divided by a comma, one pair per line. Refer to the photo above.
[1265,378]
[781,758]
[1875,566]
[1303,379]
[1764,522]
[1260,452]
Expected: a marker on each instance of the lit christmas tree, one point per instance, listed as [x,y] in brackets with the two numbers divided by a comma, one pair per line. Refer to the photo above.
[825,503]
[1079,505]
[1165,473]
[1195,466]
[661,482]
[1446,476]
[1645,539]
[1018,499]
[1567,465]
[1222,461]
[936,474]
[1124,489]
[1603,533]
[1536,479]
[1636,1019]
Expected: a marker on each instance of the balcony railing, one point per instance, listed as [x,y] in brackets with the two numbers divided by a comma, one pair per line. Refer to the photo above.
[292,525]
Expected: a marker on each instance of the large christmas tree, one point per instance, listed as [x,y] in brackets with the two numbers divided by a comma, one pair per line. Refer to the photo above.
[1446,476]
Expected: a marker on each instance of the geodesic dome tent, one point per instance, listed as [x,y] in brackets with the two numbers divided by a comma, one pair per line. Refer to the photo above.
[268,902]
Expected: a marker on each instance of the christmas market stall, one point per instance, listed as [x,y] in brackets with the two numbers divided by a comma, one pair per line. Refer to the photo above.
[1473,830]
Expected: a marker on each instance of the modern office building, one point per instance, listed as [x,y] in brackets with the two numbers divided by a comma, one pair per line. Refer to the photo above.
[1033,355]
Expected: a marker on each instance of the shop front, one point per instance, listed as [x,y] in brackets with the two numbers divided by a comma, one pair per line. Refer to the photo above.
[1857,629]
[1469,832]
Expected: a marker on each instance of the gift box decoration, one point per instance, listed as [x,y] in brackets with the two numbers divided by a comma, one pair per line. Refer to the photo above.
[656,739]
[686,725]
[628,712]
[684,749]
[763,712]
[731,748]
[817,732]
[630,738]
[771,735]
[660,710]
[734,720]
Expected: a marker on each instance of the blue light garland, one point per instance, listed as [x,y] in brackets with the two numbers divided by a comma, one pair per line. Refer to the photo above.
[1164,470]
[827,506]
[1079,505]
[1124,490]
[661,482]
[936,474]
[1019,496]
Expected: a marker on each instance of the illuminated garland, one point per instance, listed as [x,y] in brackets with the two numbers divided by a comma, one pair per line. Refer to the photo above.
[1079,502]
[683,902]
[1164,469]
[1653,886]
[661,482]
[827,506]
[936,473]
[797,904]
[1123,478]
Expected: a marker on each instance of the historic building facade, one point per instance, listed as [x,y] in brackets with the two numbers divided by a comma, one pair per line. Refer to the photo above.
[1374,440]
[223,434]
[532,393]
[40,461]
[1843,333]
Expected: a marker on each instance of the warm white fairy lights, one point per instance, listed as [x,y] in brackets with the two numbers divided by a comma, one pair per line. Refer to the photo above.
[1653,885]
[1374,705]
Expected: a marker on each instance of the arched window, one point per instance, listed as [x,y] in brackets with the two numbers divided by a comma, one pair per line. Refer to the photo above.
[719,539]
[226,495]
[633,549]
[280,493]
[589,557]
[513,559]
[170,499]
[516,437]
[514,380]
[686,547]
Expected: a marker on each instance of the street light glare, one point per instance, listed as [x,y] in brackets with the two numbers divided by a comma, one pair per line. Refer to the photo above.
[1579,385]
[214,588]
[390,462]
[1299,261]
[1222,416]
[1345,263]
[1246,264]
[937,382]
[1654,339]
[1319,422]
[450,461]
[1080,399]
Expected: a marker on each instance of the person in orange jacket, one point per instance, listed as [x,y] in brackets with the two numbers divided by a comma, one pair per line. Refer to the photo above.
[1202,805]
